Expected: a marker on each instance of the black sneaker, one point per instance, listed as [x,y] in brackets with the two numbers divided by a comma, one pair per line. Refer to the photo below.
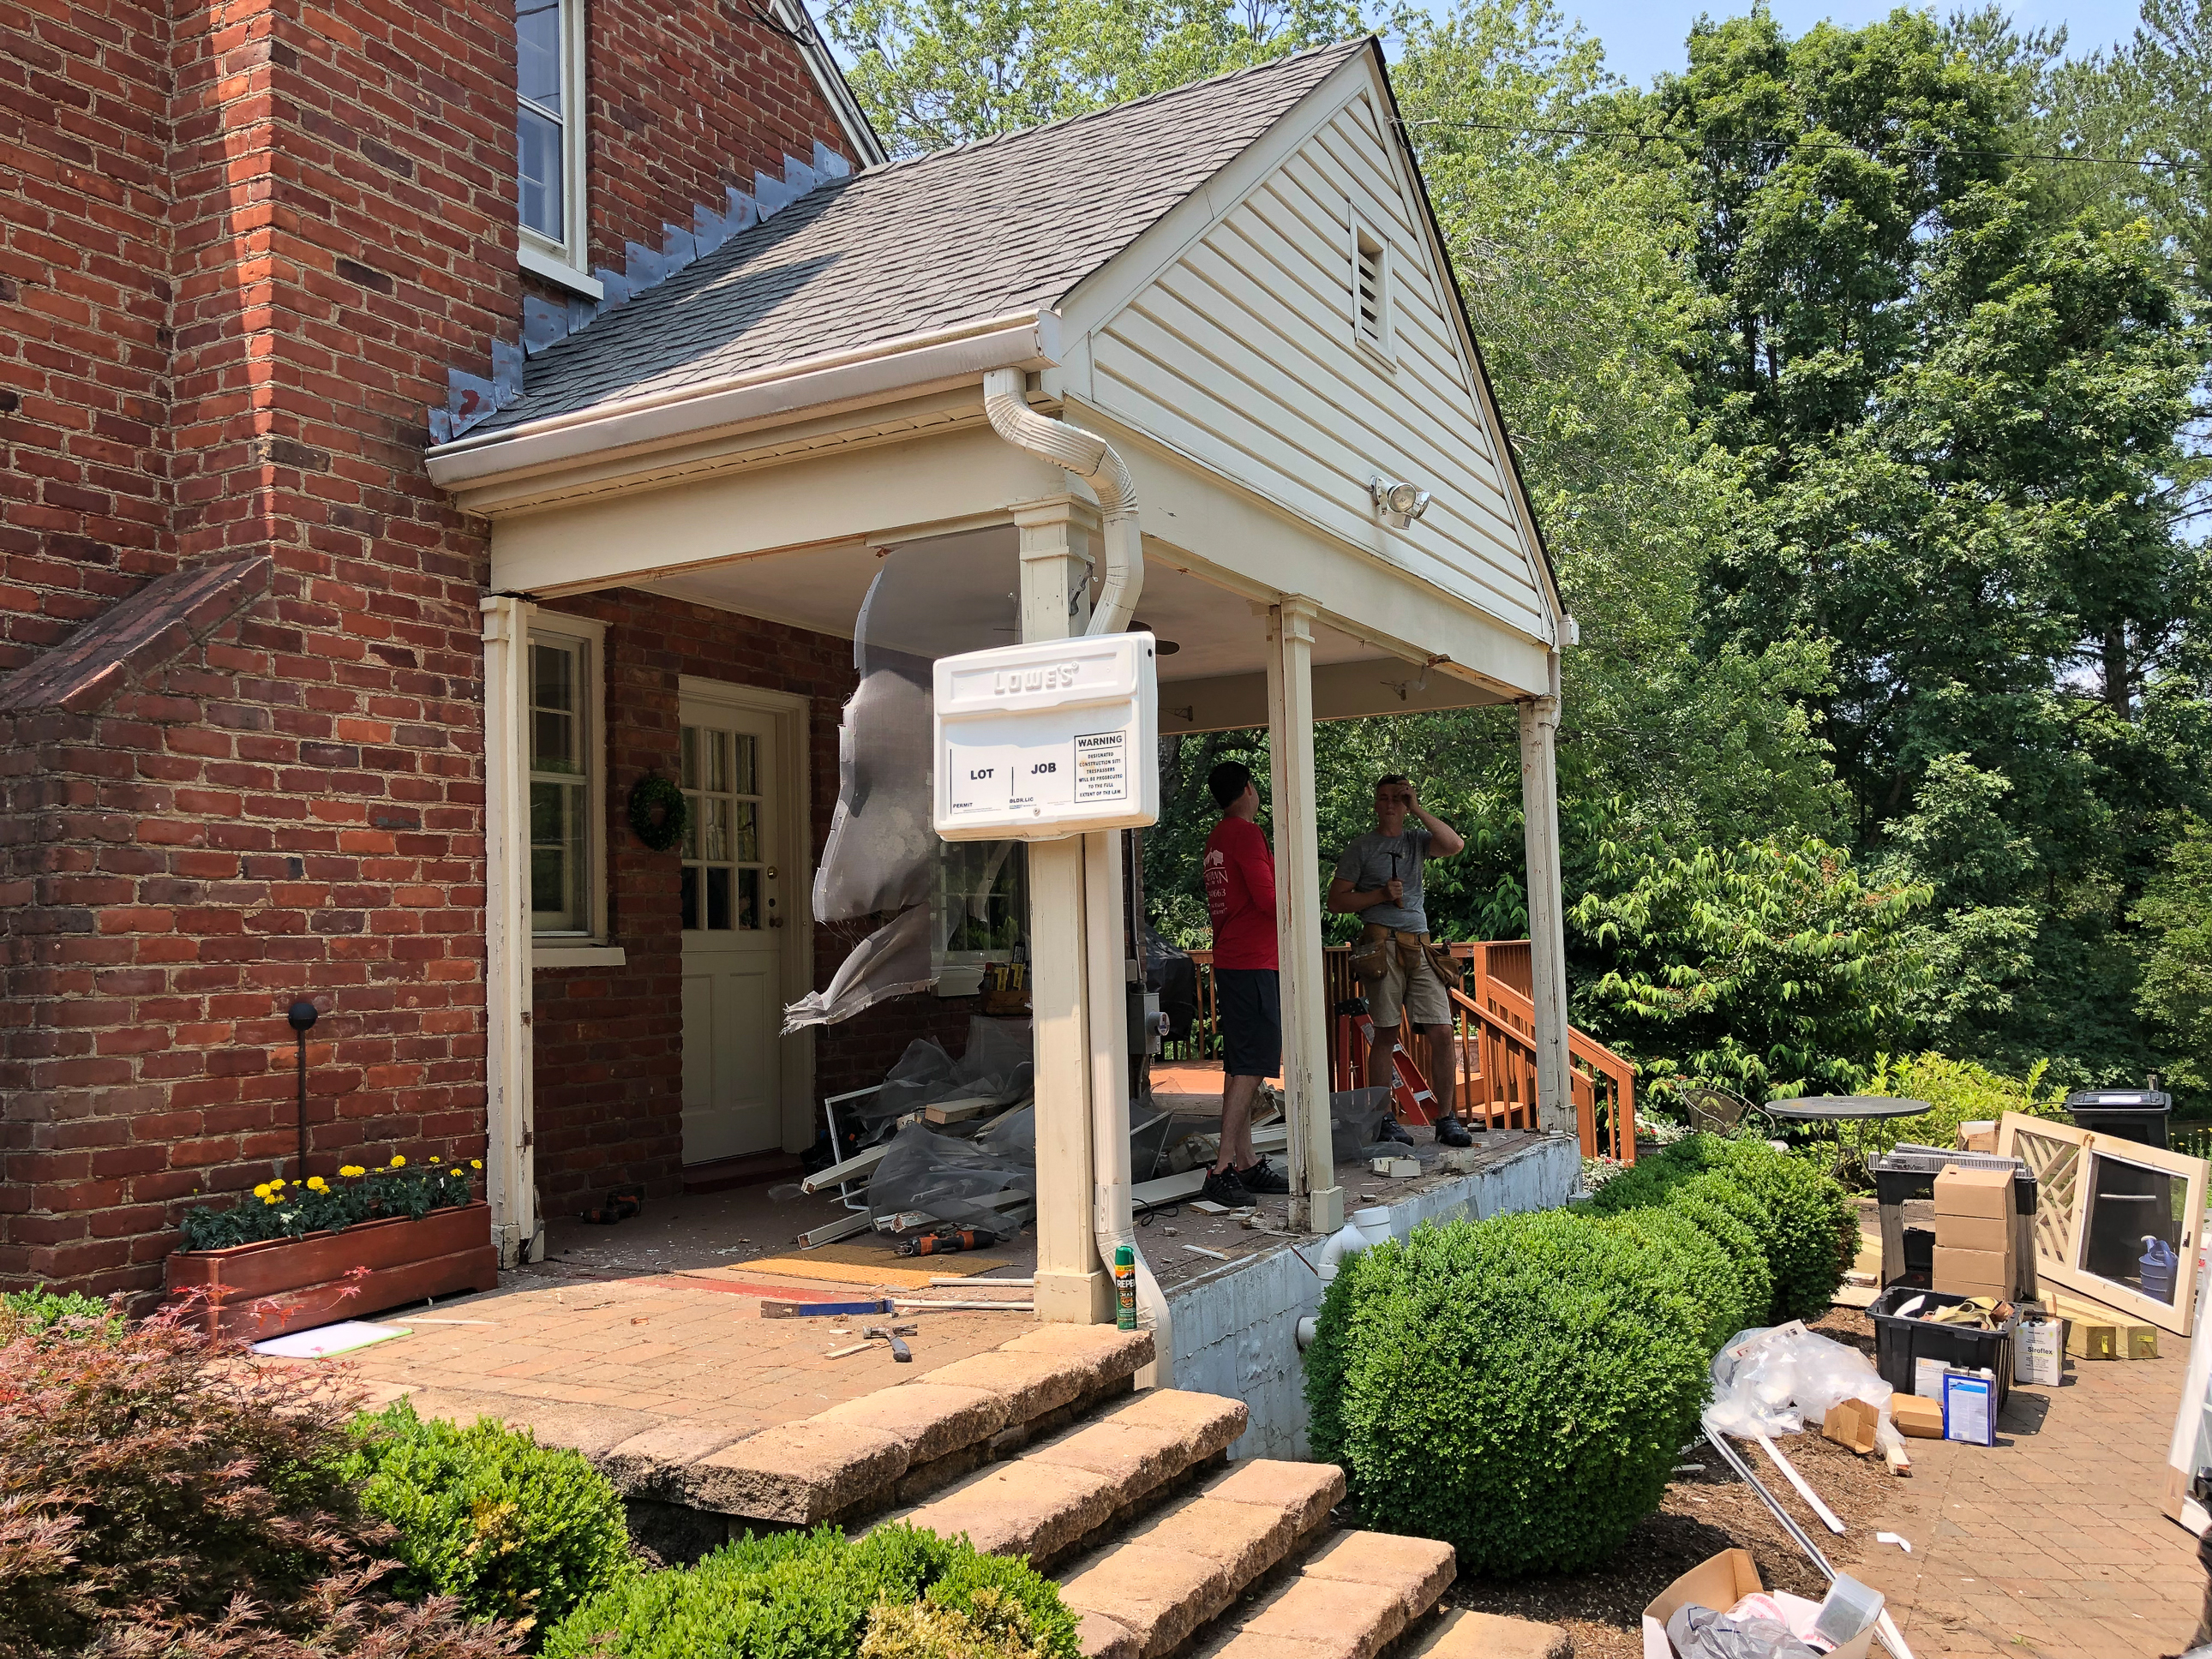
[1394,1130]
[1222,1187]
[1450,1131]
[1263,1177]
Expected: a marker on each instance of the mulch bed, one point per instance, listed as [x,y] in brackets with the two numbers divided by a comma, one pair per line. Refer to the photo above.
[1703,1514]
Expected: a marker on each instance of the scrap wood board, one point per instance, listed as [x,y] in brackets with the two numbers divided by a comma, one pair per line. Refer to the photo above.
[2065,1162]
[857,1264]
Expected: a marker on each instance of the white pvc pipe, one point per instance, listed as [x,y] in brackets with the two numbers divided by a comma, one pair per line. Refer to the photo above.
[1091,459]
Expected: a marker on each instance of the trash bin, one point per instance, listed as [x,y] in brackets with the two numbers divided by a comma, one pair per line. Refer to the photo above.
[2138,1114]
[1900,1342]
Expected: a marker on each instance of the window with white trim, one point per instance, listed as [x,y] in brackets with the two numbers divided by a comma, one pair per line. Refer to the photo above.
[568,832]
[549,40]
[983,910]
[1370,288]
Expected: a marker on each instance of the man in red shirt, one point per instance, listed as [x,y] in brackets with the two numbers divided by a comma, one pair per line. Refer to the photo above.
[1240,897]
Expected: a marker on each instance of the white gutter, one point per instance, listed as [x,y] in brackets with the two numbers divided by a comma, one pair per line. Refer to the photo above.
[1091,459]
[904,364]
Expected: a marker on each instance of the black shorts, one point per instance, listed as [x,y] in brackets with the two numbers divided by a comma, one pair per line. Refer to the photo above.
[1251,1004]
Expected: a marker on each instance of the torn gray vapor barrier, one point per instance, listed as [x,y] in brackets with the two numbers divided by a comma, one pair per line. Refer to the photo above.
[929,599]
[994,1068]
[990,1181]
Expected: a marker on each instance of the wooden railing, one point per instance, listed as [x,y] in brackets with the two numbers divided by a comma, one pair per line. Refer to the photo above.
[1493,1022]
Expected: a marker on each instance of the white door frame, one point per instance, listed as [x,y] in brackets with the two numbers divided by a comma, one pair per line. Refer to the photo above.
[791,714]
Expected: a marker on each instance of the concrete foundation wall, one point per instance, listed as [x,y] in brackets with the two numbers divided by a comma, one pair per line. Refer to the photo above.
[1236,1332]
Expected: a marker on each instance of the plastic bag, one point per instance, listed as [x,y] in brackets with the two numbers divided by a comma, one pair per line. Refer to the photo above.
[1781,1379]
[1355,1125]
[1701,1632]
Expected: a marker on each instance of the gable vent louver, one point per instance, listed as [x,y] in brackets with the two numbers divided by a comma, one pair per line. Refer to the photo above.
[1367,288]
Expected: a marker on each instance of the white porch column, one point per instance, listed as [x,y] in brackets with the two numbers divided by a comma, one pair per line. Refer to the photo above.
[1073,1285]
[510,1163]
[1548,939]
[1317,1201]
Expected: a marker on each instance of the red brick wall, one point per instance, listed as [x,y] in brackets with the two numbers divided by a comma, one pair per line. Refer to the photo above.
[240,249]
[84,296]
[609,1041]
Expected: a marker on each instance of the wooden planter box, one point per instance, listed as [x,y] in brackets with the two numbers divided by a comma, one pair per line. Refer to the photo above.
[281,1285]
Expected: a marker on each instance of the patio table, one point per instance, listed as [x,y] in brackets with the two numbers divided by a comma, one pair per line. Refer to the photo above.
[1837,1110]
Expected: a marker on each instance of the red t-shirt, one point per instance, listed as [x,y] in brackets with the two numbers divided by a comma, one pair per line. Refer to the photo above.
[1240,895]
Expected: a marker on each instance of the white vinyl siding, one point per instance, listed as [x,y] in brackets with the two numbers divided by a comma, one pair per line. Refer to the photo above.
[1248,353]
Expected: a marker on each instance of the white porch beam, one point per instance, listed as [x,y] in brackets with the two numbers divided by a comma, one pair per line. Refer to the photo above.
[1074,1286]
[1341,691]
[510,1161]
[1317,1201]
[884,493]
[1548,941]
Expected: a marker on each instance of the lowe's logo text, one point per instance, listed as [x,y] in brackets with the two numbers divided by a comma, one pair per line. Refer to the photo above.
[1013,682]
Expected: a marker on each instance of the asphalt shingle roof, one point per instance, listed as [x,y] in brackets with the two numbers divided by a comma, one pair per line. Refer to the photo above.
[952,237]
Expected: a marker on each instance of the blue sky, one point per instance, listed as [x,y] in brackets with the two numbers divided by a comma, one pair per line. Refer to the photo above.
[1643,39]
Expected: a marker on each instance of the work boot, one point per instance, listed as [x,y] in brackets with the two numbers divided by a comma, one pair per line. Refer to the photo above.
[1394,1130]
[1263,1177]
[1222,1187]
[1450,1131]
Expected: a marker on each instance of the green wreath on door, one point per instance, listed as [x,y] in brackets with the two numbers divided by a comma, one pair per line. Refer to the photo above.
[658,814]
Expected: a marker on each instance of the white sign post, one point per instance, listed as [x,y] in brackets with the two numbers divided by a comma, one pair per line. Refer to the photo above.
[1042,741]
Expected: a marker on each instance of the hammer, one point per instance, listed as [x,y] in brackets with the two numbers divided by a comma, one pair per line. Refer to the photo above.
[892,1334]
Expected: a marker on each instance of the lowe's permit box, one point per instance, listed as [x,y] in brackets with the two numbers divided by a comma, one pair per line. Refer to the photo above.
[1054,739]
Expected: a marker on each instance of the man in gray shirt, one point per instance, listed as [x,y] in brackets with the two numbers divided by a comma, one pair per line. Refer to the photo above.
[1378,879]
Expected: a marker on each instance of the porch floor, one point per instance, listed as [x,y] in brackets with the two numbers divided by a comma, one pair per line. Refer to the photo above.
[657,1320]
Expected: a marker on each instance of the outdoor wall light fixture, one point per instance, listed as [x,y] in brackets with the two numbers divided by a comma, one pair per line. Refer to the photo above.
[1400,504]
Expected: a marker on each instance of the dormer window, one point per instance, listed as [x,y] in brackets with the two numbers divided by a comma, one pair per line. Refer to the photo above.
[1370,288]
[549,84]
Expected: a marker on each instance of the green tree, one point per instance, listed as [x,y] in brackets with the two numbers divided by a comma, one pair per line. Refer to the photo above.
[2175,914]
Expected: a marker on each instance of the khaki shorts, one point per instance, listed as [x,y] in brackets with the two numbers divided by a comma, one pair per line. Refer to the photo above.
[1408,985]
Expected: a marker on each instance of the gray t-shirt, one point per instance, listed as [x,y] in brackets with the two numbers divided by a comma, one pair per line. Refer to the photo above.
[1367,864]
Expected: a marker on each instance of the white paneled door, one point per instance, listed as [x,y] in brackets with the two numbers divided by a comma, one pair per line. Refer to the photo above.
[733,932]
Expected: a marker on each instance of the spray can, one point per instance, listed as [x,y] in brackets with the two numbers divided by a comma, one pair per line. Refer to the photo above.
[1125,1287]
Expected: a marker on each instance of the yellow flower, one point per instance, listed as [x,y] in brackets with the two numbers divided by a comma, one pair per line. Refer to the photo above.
[316,1183]
[476,1164]
[262,1191]
[398,1162]
[437,1160]
[353,1169]
[271,1198]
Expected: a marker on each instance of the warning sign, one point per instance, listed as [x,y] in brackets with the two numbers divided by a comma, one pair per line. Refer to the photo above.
[1102,766]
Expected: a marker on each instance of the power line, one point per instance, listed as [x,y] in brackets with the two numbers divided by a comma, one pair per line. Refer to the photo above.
[1811,143]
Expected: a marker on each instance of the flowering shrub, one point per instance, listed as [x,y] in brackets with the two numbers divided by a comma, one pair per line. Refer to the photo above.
[290,1209]
[165,1493]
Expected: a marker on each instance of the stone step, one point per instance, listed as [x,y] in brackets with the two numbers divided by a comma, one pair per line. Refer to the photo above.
[1051,1499]
[890,1447]
[1352,1597]
[1145,1595]
[1463,1633]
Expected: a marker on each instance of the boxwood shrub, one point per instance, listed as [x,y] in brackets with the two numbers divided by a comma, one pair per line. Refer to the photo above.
[808,1595]
[513,1530]
[1519,1388]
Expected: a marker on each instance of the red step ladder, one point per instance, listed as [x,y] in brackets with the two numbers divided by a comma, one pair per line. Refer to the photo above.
[1409,1086]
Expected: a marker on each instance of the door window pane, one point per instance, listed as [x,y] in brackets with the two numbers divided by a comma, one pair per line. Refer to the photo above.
[725,850]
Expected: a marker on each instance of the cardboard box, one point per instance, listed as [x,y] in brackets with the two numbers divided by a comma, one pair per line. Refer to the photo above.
[1917,1415]
[1720,1581]
[1979,1136]
[1974,1192]
[1974,1273]
[1987,1233]
[2087,1341]
[1851,1422]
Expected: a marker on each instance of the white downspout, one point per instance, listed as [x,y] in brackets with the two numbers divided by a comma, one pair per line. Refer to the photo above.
[1093,460]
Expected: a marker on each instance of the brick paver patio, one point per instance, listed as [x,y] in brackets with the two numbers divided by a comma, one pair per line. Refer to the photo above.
[2050,1544]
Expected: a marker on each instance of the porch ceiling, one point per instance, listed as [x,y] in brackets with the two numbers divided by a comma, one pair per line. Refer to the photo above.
[1215,677]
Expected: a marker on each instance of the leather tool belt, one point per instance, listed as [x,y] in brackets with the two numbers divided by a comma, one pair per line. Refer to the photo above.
[1370,956]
